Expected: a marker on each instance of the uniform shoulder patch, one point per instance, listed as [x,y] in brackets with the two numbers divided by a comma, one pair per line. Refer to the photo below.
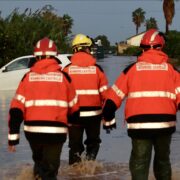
[67,76]
[23,77]
[175,68]
[128,68]
[101,69]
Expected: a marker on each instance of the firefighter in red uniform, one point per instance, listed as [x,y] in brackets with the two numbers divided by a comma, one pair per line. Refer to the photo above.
[152,90]
[90,83]
[45,100]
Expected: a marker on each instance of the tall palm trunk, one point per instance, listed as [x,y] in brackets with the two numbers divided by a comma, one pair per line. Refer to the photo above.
[169,11]
[137,29]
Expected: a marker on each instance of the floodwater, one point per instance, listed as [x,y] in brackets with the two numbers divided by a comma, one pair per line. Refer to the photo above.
[113,157]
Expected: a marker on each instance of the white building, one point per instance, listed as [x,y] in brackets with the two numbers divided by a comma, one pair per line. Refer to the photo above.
[131,41]
[135,40]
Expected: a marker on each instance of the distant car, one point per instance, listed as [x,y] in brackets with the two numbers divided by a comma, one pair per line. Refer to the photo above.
[12,73]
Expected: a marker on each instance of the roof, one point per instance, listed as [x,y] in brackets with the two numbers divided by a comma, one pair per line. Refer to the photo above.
[136,35]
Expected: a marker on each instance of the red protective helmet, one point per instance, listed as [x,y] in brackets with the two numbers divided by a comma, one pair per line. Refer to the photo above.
[45,47]
[152,39]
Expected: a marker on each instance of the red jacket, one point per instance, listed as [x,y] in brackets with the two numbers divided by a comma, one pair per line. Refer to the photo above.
[45,99]
[152,90]
[90,83]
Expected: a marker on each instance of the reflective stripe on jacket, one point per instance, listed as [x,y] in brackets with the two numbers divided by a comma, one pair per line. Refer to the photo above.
[46,98]
[151,88]
[90,83]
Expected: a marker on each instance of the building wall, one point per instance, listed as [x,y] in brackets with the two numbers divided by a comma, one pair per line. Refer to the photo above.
[135,40]
[121,47]
[132,41]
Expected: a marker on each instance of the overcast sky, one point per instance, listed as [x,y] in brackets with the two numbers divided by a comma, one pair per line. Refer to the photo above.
[112,18]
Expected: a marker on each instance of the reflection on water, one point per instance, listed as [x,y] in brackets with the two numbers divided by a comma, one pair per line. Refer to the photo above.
[112,160]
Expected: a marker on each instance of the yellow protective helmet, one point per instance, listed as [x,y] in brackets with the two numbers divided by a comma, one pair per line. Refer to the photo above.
[80,42]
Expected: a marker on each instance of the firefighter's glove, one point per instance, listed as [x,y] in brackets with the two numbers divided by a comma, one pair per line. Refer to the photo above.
[109,109]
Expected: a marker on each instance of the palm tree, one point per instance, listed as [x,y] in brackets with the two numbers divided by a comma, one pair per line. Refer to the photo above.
[138,18]
[151,23]
[169,11]
[67,24]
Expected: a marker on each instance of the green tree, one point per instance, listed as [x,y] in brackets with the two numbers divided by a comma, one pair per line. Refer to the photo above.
[132,51]
[20,31]
[169,11]
[67,24]
[138,17]
[104,40]
[172,46]
[151,23]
